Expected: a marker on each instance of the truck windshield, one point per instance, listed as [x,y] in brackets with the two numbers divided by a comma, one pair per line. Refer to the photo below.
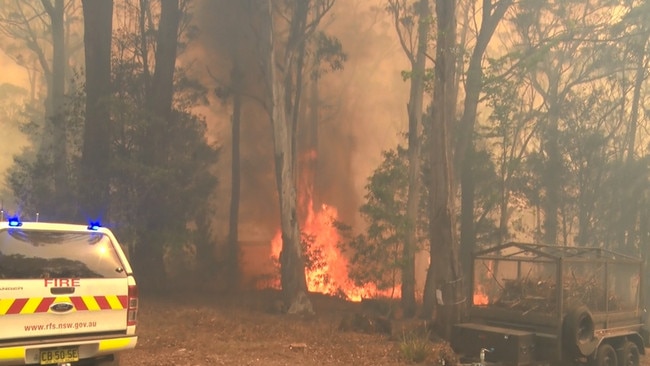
[28,254]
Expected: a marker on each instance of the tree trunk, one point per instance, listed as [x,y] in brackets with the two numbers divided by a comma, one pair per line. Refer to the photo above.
[294,284]
[443,288]
[293,80]
[415,123]
[98,26]
[467,221]
[233,226]
[465,142]
[56,120]
[162,87]
[553,167]
[54,140]
[150,247]
[630,201]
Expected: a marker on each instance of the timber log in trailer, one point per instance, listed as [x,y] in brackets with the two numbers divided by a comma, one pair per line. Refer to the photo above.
[543,304]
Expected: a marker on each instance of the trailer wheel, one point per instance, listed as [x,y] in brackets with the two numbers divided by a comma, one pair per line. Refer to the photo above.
[606,356]
[579,330]
[629,354]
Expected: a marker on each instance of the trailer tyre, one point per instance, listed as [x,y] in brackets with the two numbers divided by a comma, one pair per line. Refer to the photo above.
[629,354]
[579,330]
[606,356]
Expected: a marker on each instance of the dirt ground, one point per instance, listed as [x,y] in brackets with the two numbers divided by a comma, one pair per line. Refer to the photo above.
[247,329]
[209,329]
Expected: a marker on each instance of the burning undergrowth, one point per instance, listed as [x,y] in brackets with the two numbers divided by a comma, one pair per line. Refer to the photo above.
[326,265]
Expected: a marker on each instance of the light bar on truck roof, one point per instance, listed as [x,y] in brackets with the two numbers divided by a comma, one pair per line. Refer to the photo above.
[94,225]
[14,221]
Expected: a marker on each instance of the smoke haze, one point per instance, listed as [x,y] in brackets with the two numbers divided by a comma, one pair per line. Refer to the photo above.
[362,110]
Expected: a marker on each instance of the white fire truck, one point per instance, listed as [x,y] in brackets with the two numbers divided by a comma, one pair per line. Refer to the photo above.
[67,295]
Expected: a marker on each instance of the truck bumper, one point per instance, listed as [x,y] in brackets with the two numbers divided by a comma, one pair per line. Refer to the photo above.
[30,354]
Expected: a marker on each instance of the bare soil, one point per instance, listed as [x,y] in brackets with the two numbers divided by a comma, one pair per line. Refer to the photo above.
[209,328]
[247,329]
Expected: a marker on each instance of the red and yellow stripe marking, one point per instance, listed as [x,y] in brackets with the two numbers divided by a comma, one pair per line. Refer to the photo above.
[81,303]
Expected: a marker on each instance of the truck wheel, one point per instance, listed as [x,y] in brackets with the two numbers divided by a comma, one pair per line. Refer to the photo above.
[579,330]
[629,354]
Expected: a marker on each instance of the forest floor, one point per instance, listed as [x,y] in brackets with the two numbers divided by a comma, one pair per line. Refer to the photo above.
[247,329]
[190,329]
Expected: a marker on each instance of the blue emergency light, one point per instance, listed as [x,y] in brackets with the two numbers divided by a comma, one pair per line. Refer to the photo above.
[14,221]
[94,225]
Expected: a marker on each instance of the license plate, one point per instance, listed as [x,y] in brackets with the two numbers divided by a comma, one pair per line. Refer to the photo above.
[59,355]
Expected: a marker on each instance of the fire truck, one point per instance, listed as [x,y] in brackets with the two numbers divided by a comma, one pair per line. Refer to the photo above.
[67,295]
[558,305]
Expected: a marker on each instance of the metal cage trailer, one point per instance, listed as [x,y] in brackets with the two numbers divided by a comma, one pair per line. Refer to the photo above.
[544,304]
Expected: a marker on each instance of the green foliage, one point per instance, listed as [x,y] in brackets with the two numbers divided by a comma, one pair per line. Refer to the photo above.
[182,185]
[328,50]
[376,255]
[31,176]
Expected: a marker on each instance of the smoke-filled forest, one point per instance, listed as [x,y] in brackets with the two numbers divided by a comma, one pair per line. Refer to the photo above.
[357,148]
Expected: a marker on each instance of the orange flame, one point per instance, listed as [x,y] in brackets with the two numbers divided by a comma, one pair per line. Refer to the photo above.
[330,274]
[480,298]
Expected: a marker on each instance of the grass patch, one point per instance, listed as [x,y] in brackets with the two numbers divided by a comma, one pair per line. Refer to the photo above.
[415,347]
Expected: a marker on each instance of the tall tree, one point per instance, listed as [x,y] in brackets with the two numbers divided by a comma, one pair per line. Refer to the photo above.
[149,251]
[491,15]
[55,122]
[417,58]
[442,287]
[294,284]
[237,77]
[639,47]
[556,33]
[94,175]
[283,77]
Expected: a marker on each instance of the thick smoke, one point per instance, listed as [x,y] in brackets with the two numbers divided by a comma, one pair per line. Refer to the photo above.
[362,111]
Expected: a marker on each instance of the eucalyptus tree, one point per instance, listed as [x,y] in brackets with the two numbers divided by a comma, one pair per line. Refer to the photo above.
[162,163]
[442,287]
[492,13]
[282,71]
[631,37]
[94,171]
[413,24]
[561,52]
[506,136]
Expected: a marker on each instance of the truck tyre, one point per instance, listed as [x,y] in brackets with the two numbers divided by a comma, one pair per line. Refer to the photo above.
[579,331]
[629,354]
[606,356]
